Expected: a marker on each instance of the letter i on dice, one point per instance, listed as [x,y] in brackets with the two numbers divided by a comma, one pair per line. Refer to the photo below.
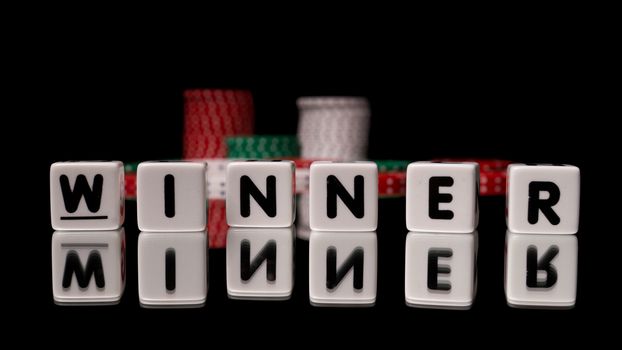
[172,246]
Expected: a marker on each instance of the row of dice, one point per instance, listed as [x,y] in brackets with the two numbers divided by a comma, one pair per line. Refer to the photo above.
[440,197]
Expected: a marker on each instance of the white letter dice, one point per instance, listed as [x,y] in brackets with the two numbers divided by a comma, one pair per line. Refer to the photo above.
[87,195]
[442,197]
[543,199]
[343,196]
[260,194]
[171,196]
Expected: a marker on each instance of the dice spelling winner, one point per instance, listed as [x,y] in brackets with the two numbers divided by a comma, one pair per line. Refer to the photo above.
[88,246]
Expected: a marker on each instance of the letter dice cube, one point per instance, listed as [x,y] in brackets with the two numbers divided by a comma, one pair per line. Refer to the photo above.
[442,197]
[171,196]
[543,199]
[260,194]
[87,195]
[343,196]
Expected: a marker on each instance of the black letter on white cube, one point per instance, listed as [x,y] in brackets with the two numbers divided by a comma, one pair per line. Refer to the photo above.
[537,204]
[169,196]
[81,188]
[356,204]
[248,189]
[435,197]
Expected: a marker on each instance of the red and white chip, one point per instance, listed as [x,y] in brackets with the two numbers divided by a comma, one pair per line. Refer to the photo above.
[392,184]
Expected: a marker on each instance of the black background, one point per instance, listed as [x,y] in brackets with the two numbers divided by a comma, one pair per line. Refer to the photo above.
[504,102]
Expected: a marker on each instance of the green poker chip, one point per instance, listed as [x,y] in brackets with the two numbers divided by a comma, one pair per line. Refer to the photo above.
[131,167]
[263,146]
[392,165]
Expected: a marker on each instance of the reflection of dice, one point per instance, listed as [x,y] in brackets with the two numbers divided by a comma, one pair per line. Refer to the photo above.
[343,196]
[440,269]
[260,194]
[171,196]
[442,197]
[543,199]
[172,268]
[541,270]
[88,267]
[260,263]
[343,268]
[87,195]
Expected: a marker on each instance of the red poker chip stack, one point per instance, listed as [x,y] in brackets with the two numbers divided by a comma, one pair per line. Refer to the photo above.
[217,223]
[392,184]
[492,176]
[130,185]
[210,116]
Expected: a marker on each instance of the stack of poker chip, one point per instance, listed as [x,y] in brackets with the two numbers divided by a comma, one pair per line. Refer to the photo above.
[492,174]
[210,116]
[130,180]
[333,127]
[263,147]
[392,178]
[493,177]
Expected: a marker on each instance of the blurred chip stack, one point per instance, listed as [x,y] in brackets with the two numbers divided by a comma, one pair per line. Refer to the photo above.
[493,177]
[263,147]
[333,127]
[130,180]
[210,116]
[492,174]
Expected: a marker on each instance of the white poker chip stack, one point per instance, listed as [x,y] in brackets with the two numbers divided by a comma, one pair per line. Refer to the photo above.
[333,127]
